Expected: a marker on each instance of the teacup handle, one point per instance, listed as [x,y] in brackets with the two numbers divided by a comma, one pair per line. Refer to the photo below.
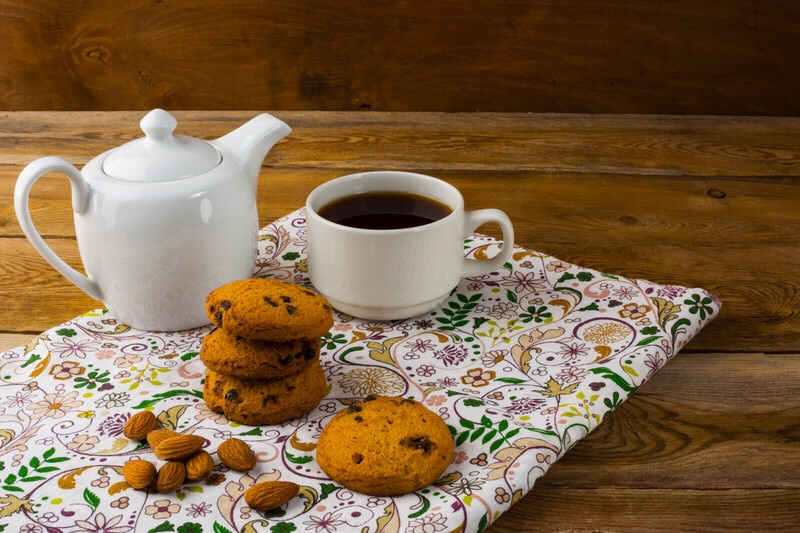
[80,202]
[472,221]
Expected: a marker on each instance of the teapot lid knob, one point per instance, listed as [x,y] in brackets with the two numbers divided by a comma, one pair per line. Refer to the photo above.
[161,156]
[158,125]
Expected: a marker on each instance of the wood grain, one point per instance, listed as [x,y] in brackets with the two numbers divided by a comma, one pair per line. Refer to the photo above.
[576,56]
[710,443]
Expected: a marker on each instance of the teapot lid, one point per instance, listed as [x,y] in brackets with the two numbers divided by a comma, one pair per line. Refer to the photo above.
[161,156]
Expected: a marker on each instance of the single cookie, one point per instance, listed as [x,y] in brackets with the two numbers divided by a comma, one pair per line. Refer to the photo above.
[253,359]
[268,309]
[256,402]
[385,446]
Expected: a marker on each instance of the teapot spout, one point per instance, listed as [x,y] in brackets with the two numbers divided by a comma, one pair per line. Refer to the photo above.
[250,142]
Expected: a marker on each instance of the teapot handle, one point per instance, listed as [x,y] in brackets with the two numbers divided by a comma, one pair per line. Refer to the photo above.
[80,202]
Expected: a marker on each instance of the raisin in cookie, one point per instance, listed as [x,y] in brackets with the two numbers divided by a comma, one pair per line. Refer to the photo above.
[245,358]
[385,446]
[268,309]
[255,402]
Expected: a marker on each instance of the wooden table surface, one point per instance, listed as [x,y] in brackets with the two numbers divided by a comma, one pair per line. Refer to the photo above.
[712,442]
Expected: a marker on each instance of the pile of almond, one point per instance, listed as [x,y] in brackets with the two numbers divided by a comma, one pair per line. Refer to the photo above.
[187,461]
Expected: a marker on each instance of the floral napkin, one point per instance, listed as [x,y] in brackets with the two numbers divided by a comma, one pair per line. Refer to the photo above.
[521,364]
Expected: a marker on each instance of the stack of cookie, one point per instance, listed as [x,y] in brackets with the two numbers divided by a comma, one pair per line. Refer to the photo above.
[263,359]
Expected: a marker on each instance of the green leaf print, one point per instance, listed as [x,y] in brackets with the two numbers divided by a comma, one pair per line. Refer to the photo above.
[189,355]
[299,460]
[487,431]
[91,498]
[648,340]
[28,475]
[607,373]
[457,313]
[169,394]
[421,507]
[219,528]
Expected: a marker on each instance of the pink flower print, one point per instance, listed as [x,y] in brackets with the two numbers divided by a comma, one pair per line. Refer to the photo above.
[526,405]
[572,352]
[207,414]
[503,310]
[120,503]
[197,510]
[558,266]
[478,377]
[420,345]
[491,358]
[423,324]
[671,292]
[69,348]
[82,443]
[127,360]
[426,371]
[327,523]
[481,460]
[451,354]
[162,509]
[460,456]
[501,495]
[19,399]
[101,524]
[104,354]
[372,327]
[571,374]
[428,523]
[626,293]
[523,282]
[112,399]
[436,400]
[54,406]
[66,370]
[634,311]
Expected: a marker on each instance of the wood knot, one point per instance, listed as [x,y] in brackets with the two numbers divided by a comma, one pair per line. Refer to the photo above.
[716,193]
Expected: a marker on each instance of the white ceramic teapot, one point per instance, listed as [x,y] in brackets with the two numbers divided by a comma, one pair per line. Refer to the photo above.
[161,220]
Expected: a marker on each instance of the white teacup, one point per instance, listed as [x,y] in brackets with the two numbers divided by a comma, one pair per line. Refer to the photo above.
[389,274]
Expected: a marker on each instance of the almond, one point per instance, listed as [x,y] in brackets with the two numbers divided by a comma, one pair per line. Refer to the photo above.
[139,473]
[157,435]
[199,465]
[237,454]
[269,495]
[179,447]
[139,425]
[170,476]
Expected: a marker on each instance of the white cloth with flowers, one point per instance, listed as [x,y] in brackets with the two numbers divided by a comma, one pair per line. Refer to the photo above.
[521,364]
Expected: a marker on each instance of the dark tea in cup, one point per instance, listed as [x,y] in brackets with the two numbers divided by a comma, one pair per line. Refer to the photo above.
[384,210]
[388,245]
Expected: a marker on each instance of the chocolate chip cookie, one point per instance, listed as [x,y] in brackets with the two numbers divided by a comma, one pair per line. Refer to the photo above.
[385,446]
[267,309]
[257,401]
[237,356]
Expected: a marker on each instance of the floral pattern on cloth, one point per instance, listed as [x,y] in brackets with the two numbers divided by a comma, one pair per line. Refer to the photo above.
[521,364]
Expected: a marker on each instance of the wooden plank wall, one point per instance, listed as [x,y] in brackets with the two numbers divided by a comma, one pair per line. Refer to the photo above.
[568,56]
